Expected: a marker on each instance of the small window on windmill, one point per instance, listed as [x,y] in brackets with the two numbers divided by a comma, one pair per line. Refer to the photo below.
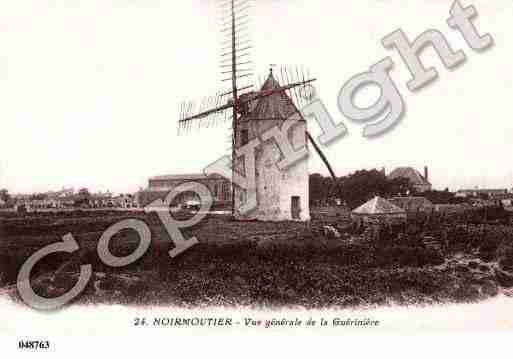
[244,137]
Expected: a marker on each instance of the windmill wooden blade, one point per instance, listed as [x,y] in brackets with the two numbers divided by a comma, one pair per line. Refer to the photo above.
[298,84]
[287,88]
[208,108]
[236,69]
[208,112]
[236,64]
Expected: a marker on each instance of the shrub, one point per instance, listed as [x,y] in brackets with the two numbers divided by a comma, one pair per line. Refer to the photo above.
[488,248]
[407,256]
[507,261]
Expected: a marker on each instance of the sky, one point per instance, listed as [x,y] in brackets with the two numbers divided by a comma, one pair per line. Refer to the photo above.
[90,90]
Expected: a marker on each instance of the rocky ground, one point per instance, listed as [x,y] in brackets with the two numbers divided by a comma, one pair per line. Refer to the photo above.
[260,264]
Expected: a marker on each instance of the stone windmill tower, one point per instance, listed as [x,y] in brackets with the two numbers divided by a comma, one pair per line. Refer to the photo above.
[281,193]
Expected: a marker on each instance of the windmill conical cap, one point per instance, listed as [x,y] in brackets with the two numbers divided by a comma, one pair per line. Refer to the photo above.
[276,106]
[271,83]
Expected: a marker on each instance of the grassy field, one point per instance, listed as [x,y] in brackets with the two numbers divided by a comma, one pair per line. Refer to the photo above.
[264,264]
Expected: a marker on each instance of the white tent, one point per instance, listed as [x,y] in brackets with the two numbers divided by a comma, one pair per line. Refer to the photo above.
[380,210]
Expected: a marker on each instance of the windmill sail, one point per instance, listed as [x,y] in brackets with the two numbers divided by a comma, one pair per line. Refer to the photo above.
[236,70]
[295,81]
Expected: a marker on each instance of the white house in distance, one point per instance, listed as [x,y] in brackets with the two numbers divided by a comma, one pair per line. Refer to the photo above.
[476,192]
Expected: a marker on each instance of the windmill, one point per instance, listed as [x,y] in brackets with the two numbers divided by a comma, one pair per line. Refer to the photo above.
[283,92]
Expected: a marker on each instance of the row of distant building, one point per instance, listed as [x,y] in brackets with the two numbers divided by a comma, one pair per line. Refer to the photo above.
[221,190]
[158,188]
[67,198]
[397,209]
[400,207]
[476,195]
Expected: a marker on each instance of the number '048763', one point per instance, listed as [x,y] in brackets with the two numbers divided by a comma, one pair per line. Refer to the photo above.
[34,344]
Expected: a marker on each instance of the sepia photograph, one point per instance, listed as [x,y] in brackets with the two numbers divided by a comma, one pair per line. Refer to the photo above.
[214,167]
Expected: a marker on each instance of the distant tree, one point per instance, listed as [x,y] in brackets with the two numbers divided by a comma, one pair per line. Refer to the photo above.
[398,187]
[84,192]
[359,187]
[319,188]
[484,196]
[83,197]
[38,196]
[5,196]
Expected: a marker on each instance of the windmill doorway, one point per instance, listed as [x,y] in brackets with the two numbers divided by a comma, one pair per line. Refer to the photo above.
[295,207]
